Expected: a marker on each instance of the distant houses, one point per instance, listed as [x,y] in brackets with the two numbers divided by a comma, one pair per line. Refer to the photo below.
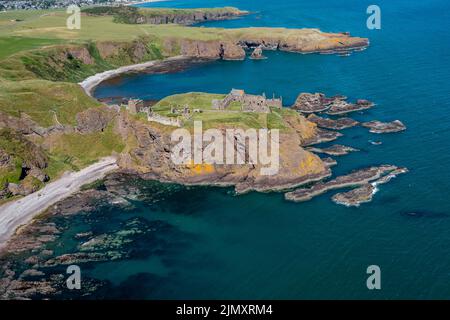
[249,102]
[54,4]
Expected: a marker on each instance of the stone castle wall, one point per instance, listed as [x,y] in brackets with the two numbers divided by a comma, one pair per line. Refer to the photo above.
[167,121]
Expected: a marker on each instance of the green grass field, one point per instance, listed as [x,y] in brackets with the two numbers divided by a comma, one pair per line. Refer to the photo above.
[11,45]
[79,150]
[47,103]
[52,25]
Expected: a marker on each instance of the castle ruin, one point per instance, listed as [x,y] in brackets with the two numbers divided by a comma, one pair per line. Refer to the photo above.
[135,106]
[249,102]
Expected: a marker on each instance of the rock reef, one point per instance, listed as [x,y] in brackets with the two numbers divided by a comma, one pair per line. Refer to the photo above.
[318,102]
[384,127]
[322,136]
[342,107]
[355,197]
[334,150]
[338,124]
[356,178]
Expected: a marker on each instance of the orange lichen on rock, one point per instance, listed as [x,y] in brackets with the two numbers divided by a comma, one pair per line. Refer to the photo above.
[311,164]
[203,168]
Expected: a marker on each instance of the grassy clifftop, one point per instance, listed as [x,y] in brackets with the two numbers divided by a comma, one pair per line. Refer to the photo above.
[133,15]
[41,28]
[233,117]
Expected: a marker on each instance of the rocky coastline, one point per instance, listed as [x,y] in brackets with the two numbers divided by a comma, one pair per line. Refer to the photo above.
[357,178]
[316,103]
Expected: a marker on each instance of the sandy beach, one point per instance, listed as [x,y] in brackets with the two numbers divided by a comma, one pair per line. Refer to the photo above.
[22,211]
[91,82]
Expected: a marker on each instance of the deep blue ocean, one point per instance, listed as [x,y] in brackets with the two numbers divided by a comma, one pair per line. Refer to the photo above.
[259,246]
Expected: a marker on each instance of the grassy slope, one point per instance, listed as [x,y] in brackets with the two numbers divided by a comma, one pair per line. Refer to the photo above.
[14,145]
[11,45]
[48,103]
[52,25]
[78,151]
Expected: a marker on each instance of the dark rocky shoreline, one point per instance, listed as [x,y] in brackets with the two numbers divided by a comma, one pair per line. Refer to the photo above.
[357,178]
[337,105]
[334,150]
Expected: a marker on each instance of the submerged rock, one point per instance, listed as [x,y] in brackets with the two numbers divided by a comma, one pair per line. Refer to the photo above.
[355,197]
[384,127]
[83,257]
[334,150]
[341,107]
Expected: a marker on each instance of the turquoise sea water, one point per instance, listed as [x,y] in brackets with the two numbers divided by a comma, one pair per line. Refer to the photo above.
[211,244]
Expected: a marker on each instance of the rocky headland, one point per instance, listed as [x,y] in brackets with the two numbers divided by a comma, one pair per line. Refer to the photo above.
[151,160]
[134,15]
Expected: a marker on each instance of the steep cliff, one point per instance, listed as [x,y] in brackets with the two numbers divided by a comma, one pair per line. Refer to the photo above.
[296,40]
[151,158]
